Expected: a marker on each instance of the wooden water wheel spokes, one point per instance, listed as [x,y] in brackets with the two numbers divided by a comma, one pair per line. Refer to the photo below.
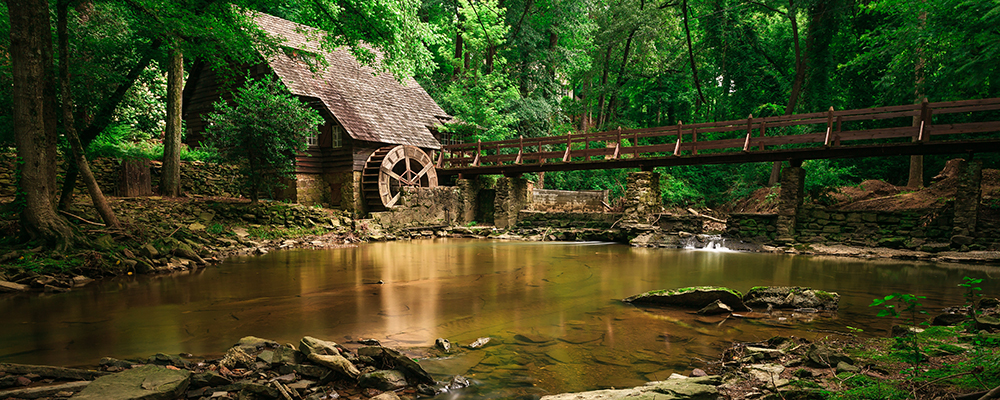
[391,168]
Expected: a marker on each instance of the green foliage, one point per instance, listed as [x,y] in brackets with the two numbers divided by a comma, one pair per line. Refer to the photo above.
[972,290]
[272,233]
[904,305]
[262,132]
[823,176]
[122,141]
[862,387]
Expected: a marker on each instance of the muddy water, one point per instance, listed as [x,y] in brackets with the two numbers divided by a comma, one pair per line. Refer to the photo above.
[551,309]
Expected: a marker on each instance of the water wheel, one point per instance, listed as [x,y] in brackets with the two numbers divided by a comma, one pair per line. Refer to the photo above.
[389,169]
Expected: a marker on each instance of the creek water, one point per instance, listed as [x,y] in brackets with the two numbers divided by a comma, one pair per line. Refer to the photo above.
[551,309]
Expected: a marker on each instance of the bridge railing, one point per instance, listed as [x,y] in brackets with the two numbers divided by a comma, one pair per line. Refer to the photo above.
[833,128]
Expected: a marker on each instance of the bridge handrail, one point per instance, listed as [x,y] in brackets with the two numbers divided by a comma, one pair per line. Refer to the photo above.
[628,142]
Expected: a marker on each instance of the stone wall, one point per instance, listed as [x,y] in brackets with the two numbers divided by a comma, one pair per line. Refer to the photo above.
[569,201]
[423,207]
[913,229]
[758,228]
[642,197]
[197,178]
[581,220]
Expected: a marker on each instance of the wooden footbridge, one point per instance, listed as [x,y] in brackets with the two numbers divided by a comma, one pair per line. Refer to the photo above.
[957,127]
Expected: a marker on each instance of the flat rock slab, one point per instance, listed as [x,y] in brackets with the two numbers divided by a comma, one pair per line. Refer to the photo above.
[44,391]
[51,372]
[690,297]
[703,388]
[149,382]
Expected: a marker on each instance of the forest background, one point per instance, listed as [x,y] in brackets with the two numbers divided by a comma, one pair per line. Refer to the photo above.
[551,67]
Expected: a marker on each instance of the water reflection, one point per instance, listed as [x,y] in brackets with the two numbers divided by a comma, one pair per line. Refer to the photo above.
[551,309]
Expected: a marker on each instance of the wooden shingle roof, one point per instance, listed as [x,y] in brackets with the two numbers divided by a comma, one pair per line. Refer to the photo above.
[371,107]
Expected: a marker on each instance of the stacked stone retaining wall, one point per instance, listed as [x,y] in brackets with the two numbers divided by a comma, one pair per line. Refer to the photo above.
[197,178]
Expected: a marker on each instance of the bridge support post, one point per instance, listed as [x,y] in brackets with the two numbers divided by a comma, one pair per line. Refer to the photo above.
[468,190]
[513,195]
[967,198]
[790,201]
[642,197]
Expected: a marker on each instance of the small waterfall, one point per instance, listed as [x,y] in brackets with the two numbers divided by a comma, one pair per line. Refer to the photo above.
[706,243]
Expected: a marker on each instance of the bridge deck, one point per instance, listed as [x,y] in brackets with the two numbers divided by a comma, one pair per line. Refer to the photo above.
[969,126]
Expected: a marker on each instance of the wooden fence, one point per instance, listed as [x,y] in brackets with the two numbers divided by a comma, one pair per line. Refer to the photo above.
[926,128]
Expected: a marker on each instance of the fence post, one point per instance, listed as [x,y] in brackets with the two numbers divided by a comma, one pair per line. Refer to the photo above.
[925,121]
[746,143]
[829,127]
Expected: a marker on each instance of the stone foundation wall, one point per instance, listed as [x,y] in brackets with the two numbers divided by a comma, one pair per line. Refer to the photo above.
[311,189]
[569,201]
[759,228]
[423,207]
[914,229]
[582,220]
[901,229]
[680,223]
[197,178]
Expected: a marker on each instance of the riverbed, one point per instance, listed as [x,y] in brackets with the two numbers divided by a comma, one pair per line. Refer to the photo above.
[552,310]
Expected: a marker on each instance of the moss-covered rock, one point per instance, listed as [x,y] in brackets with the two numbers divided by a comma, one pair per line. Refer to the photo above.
[695,297]
[791,297]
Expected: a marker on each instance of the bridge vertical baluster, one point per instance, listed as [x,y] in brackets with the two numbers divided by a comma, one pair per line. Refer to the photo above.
[618,145]
[694,141]
[746,143]
[479,150]
[569,144]
[520,149]
[829,127]
[840,122]
[680,132]
[925,121]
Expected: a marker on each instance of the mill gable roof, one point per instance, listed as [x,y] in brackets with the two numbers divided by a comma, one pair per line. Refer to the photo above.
[371,107]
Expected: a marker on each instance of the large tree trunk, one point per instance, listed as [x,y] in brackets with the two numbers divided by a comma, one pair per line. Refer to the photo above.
[101,203]
[34,135]
[170,182]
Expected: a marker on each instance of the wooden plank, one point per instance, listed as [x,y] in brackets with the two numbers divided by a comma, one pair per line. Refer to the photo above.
[875,134]
[969,127]
[965,109]
[881,116]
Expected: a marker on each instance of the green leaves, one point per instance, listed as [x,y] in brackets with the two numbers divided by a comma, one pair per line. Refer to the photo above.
[262,132]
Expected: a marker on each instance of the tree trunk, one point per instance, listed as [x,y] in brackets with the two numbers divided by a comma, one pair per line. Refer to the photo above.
[800,75]
[170,181]
[31,58]
[100,203]
[604,84]
[694,67]
[103,118]
[916,175]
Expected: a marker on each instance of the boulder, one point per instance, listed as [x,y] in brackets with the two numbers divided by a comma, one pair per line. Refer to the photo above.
[149,382]
[385,380]
[253,343]
[208,378]
[703,388]
[237,358]
[286,354]
[336,363]
[386,396]
[690,297]
[717,307]
[402,363]
[310,345]
[148,251]
[822,356]
[791,297]
[443,344]
[987,323]
[948,319]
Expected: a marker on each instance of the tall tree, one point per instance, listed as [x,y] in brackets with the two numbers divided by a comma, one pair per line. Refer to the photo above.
[34,129]
[170,179]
